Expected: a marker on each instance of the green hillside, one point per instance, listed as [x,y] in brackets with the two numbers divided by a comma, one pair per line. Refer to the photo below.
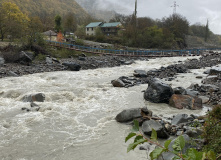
[50,7]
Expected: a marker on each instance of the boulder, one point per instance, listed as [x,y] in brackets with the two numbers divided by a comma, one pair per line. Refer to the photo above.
[210,79]
[140,73]
[209,88]
[204,99]
[39,97]
[72,66]
[129,115]
[158,92]
[179,90]
[118,83]
[181,118]
[48,60]
[24,58]
[191,92]
[185,101]
[215,70]
[13,74]
[147,127]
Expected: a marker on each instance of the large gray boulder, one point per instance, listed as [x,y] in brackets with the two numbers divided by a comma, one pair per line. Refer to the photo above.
[24,58]
[129,115]
[39,97]
[147,127]
[72,66]
[158,92]
[140,73]
[215,70]
[117,83]
[181,118]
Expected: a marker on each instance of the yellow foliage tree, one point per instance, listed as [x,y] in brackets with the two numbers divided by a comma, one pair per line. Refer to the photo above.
[12,20]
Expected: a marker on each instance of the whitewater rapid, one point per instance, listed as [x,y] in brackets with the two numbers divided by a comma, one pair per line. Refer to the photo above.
[76,121]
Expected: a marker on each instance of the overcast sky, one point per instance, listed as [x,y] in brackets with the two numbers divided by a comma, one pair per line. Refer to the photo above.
[194,10]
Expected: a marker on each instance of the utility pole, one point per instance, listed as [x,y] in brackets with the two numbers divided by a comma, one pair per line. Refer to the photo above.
[174,7]
[135,12]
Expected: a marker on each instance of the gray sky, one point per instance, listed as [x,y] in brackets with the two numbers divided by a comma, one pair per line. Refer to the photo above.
[194,10]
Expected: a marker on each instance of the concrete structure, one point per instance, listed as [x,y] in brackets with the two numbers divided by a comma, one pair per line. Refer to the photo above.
[107,28]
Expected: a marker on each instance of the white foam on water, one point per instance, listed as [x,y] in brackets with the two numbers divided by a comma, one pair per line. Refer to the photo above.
[77,117]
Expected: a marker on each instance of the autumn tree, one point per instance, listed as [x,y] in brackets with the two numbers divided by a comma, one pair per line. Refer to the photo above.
[35,27]
[58,23]
[12,20]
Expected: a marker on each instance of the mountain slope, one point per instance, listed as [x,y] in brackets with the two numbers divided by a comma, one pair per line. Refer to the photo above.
[50,7]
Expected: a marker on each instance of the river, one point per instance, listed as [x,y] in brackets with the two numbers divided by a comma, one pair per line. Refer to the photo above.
[76,121]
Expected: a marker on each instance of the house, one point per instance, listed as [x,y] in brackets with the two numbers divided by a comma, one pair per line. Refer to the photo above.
[111,28]
[107,28]
[51,35]
[90,28]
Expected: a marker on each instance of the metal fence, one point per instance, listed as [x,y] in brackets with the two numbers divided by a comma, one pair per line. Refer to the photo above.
[144,53]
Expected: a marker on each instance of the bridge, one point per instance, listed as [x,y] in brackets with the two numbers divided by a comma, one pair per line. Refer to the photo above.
[135,53]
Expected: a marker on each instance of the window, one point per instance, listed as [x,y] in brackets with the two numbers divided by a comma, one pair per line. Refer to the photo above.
[108,29]
[87,29]
[92,28]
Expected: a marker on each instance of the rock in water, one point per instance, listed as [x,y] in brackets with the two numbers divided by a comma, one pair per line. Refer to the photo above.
[181,118]
[128,115]
[158,92]
[118,83]
[39,97]
[72,66]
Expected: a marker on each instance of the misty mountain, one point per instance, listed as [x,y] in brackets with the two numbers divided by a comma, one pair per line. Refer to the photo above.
[103,9]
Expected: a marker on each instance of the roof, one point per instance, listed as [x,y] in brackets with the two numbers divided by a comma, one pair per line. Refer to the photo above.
[94,24]
[50,33]
[114,24]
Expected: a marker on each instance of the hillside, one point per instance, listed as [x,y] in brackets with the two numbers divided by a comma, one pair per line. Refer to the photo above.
[50,7]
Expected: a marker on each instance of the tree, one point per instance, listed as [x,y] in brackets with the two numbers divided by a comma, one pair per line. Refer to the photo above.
[207,31]
[12,20]
[70,23]
[57,20]
[178,26]
[80,31]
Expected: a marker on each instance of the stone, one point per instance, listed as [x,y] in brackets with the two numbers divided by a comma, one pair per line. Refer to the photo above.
[179,90]
[191,92]
[209,88]
[39,97]
[181,118]
[13,74]
[158,92]
[140,73]
[147,127]
[24,58]
[72,66]
[82,58]
[48,60]
[210,79]
[117,83]
[215,71]
[185,101]
[129,115]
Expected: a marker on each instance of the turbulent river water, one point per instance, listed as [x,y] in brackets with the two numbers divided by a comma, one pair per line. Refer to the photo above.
[76,121]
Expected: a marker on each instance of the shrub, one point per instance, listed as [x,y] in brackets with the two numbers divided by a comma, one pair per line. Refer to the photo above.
[212,130]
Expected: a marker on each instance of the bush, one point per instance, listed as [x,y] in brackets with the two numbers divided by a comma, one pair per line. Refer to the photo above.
[212,130]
